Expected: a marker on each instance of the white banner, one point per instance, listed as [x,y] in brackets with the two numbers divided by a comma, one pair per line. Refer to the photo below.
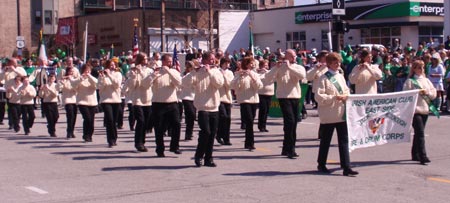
[377,119]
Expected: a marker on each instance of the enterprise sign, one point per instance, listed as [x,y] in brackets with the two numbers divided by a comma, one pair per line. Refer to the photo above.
[392,10]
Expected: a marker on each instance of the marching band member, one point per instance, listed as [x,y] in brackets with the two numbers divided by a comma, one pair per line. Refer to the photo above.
[331,94]
[315,73]
[13,95]
[265,95]
[287,74]
[139,87]
[27,94]
[109,82]
[223,129]
[207,81]
[246,84]
[187,96]
[86,87]
[365,75]
[69,99]
[49,94]
[418,80]
[165,105]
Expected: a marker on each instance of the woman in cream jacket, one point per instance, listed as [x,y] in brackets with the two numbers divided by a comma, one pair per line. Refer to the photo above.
[109,82]
[418,80]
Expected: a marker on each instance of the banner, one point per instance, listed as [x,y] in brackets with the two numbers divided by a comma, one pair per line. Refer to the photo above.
[377,119]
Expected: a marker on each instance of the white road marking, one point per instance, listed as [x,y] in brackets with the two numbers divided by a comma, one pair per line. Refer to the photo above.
[37,190]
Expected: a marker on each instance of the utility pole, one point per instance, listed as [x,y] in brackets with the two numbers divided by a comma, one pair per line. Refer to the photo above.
[163,23]
[210,25]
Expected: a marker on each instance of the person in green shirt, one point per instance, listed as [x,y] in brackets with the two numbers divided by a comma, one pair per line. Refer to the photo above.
[401,74]
[388,77]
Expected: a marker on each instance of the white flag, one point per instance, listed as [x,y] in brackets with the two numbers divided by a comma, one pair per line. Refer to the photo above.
[377,119]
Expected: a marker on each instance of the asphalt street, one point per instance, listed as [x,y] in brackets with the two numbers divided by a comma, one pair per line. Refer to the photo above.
[37,168]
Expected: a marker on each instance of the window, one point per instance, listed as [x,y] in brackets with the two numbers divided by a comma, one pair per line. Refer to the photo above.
[262,2]
[428,33]
[380,35]
[38,18]
[272,1]
[48,17]
[293,38]
[325,42]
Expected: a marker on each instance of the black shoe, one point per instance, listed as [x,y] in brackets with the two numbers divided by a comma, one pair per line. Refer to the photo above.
[323,169]
[176,151]
[220,141]
[350,172]
[110,145]
[424,161]
[198,162]
[250,148]
[292,155]
[210,164]
[263,130]
[120,127]
[415,158]
[161,154]
[284,153]
[26,133]
[188,137]
[304,116]
[72,136]
[52,135]
[227,143]
[142,149]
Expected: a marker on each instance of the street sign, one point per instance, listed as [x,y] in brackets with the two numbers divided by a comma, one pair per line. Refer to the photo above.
[20,44]
[338,7]
[20,38]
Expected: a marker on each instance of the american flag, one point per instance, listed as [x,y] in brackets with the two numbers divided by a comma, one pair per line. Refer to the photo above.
[135,43]
[175,61]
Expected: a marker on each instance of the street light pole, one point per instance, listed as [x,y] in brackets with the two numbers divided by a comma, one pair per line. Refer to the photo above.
[163,22]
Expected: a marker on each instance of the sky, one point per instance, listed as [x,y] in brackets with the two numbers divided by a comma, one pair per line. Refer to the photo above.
[304,2]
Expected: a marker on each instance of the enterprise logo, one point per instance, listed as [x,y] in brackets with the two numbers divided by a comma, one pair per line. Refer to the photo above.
[428,9]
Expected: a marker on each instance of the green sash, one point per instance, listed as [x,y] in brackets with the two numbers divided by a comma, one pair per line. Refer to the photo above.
[333,80]
[427,99]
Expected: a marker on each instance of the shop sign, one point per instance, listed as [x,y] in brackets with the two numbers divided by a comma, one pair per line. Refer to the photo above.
[392,10]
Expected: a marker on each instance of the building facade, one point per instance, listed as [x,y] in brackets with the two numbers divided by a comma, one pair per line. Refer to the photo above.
[25,18]
[375,22]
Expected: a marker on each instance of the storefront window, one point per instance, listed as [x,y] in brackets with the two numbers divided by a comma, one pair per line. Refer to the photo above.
[430,33]
[325,43]
[293,38]
[383,35]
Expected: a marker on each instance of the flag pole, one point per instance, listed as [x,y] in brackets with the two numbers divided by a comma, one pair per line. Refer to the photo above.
[85,43]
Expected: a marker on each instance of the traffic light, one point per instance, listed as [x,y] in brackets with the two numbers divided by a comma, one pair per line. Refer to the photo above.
[341,26]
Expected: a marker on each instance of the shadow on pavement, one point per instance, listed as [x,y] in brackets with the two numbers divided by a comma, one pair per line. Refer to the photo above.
[134,168]
[278,173]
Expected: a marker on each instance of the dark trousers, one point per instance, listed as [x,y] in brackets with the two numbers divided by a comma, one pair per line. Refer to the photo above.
[289,108]
[418,148]
[327,134]
[88,114]
[189,117]
[27,116]
[264,106]
[71,117]
[207,122]
[223,128]
[131,119]
[52,115]
[111,112]
[14,116]
[166,115]
[120,114]
[142,115]
[2,111]
[248,112]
